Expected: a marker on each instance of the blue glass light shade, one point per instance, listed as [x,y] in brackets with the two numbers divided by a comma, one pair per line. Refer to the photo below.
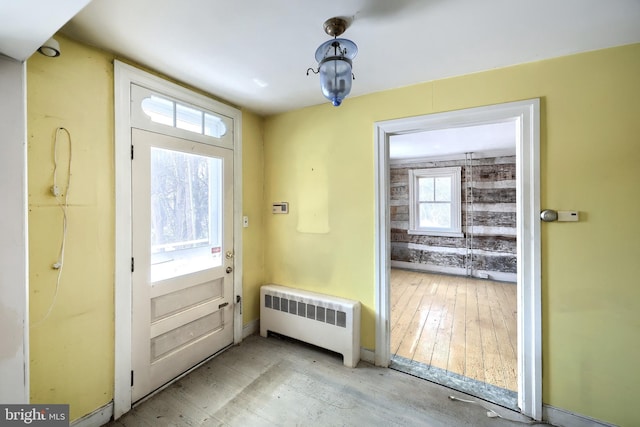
[334,64]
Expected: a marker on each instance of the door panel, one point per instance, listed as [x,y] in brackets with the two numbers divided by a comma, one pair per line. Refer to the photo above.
[182,205]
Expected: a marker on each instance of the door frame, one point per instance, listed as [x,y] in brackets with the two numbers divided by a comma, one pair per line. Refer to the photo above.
[124,76]
[526,115]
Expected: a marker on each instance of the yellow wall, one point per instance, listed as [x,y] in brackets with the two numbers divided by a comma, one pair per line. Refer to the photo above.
[320,160]
[72,351]
[253,207]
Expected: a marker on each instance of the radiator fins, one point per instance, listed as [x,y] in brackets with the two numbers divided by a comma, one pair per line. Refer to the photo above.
[310,311]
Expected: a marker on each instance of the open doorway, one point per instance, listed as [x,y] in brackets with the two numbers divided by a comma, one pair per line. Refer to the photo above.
[526,116]
[453,239]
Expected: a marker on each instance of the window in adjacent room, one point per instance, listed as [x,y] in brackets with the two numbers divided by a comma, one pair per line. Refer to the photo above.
[435,201]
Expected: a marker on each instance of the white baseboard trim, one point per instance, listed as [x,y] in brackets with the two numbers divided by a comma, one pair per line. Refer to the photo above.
[97,418]
[563,418]
[367,355]
[430,268]
[251,328]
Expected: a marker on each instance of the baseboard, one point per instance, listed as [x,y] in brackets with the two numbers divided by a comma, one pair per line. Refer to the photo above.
[97,418]
[367,355]
[431,268]
[563,418]
[251,328]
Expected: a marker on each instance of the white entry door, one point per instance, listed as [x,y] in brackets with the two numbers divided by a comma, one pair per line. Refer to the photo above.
[182,266]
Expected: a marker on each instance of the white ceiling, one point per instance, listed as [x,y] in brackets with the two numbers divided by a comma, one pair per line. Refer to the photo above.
[232,48]
[481,140]
[224,47]
[26,24]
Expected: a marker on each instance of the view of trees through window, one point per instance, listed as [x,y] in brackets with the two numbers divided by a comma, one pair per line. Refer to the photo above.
[435,202]
[184,200]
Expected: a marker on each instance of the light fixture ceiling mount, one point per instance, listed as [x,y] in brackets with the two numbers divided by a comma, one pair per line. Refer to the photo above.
[335,62]
[335,26]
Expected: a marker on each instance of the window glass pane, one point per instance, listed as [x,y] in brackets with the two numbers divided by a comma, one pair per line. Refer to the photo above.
[443,189]
[214,126]
[188,118]
[435,215]
[425,189]
[186,216]
[158,109]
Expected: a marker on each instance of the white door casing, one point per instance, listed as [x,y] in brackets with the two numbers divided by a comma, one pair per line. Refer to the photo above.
[182,290]
[127,77]
[526,115]
[14,254]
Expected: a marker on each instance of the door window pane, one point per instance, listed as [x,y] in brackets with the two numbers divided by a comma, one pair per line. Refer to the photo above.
[193,119]
[159,110]
[186,215]
[214,126]
[188,118]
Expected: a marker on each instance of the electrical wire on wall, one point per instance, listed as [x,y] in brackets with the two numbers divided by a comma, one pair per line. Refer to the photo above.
[62,200]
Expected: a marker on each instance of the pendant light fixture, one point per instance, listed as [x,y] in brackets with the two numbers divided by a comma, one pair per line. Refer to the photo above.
[334,62]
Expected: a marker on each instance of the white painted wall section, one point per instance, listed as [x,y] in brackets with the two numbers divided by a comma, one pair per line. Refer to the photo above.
[14,313]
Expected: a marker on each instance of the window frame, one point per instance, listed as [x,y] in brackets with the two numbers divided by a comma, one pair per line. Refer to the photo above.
[142,120]
[455,174]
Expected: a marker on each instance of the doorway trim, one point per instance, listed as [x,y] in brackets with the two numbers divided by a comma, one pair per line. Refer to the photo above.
[526,115]
[124,76]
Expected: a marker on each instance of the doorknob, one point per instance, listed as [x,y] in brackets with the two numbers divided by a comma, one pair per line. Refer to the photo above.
[548,215]
[229,254]
[229,269]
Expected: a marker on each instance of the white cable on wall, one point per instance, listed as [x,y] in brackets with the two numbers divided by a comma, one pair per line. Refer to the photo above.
[473,213]
[467,217]
[62,199]
[470,213]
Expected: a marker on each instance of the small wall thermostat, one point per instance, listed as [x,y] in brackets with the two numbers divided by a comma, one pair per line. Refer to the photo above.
[280,208]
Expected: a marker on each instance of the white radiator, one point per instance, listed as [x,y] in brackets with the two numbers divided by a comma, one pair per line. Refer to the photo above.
[326,321]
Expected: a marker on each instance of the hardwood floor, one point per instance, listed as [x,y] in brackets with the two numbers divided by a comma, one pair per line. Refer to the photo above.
[281,382]
[461,325]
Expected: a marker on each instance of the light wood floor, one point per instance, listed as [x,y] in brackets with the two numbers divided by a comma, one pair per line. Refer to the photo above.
[277,382]
[462,325]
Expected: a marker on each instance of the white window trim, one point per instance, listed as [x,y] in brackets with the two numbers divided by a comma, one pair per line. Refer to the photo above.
[455,173]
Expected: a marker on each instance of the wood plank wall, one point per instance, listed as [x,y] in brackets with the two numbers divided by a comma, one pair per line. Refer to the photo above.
[494,221]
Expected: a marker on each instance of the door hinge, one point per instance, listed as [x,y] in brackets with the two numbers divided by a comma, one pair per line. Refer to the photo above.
[239,301]
[133,264]
[131,378]
[131,151]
